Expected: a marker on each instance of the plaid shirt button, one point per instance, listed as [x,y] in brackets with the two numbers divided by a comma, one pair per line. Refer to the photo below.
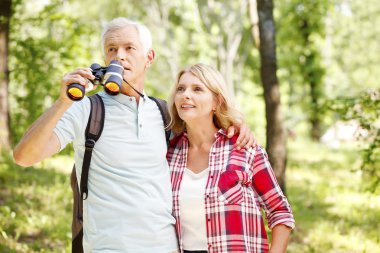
[247,184]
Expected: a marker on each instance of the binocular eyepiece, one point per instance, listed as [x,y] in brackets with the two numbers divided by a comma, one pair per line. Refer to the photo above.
[111,77]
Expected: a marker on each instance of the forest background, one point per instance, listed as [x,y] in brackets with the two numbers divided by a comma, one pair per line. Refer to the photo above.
[305,74]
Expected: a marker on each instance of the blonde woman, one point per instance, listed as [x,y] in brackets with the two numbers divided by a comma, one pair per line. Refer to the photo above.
[219,190]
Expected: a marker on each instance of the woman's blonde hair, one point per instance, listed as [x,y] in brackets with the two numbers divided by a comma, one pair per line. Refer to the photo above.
[225,115]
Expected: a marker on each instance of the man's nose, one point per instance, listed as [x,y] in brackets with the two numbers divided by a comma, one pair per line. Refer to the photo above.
[120,56]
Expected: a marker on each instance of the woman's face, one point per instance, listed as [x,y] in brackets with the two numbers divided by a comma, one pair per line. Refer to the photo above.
[193,100]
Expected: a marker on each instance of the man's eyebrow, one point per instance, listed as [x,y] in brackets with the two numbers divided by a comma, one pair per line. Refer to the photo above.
[108,44]
[130,43]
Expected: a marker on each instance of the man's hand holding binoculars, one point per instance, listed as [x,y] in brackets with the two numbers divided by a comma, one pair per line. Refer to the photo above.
[80,76]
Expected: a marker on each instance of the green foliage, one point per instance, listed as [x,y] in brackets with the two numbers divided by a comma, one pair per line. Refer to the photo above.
[355,56]
[365,109]
[301,35]
[43,46]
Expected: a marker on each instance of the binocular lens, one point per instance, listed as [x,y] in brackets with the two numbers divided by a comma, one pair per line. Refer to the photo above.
[113,84]
[112,88]
[75,91]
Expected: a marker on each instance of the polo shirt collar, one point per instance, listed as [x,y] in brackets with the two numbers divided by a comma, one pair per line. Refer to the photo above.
[127,100]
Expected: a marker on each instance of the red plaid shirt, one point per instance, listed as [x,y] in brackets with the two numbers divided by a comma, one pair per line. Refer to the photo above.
[239,184]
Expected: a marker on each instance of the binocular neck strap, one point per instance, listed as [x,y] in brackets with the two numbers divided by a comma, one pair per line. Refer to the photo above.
[133,88]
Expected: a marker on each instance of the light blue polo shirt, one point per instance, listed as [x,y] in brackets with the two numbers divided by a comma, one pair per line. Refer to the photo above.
[129,204]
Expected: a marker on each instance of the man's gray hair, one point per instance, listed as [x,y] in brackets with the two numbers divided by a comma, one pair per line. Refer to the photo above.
[118,23]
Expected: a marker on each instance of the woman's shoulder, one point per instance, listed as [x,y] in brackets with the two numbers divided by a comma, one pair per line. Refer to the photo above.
[177,140]
[254,150]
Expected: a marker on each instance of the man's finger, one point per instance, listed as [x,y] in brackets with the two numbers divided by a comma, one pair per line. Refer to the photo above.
[243,134]
[251,142]
[231,131]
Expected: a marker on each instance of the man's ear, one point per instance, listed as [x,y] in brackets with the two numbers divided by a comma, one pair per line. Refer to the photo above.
[151,54]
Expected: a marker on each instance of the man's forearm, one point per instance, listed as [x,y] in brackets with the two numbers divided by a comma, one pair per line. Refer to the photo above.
[39,141]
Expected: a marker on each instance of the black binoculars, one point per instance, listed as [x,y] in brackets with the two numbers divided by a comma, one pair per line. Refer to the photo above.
[111,77]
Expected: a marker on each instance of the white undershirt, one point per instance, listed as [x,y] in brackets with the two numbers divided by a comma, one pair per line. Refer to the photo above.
[192,210]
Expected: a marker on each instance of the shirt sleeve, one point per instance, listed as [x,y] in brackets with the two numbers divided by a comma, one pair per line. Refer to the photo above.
[271,197]
[71,126]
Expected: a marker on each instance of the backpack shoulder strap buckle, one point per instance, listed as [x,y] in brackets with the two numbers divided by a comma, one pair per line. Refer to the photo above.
[89,144]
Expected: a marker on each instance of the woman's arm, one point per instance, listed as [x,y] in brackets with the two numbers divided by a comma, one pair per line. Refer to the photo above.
[272,200]
[280,239]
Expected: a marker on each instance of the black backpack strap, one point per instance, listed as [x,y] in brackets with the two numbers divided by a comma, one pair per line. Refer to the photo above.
[77,223]
[162,105]
[93,131]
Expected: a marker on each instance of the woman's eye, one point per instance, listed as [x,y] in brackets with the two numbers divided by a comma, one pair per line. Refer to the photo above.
[180,89]
[198,89]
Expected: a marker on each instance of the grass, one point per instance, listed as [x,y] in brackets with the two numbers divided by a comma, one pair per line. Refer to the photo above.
[333,213]
[35,207]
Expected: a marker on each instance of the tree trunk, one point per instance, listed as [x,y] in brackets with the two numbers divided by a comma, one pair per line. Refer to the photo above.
[316,131]
[276,137]
[313,73]
[5,15]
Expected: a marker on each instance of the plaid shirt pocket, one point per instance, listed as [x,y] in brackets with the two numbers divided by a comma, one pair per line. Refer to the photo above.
[230,186]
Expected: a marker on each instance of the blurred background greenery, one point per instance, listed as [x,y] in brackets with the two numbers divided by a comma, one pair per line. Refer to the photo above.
[328,58]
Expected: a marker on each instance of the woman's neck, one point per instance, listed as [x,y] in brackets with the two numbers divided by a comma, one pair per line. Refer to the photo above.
[201,135]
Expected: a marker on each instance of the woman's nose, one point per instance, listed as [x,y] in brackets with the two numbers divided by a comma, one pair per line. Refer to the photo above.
[186,94]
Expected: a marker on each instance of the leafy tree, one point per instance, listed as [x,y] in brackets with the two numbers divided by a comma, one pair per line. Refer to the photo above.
[276,138]
[365,109]
[42,48]
[302,34]
[353,32]
[352,86]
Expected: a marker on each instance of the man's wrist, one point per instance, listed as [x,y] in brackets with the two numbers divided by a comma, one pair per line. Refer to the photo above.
[64,102]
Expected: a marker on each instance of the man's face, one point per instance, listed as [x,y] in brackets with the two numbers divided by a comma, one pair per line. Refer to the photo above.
[124,45]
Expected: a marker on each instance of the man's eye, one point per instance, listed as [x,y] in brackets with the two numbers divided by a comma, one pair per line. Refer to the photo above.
[111,49]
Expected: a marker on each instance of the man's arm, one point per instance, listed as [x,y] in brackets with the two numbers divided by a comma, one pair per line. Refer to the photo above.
[40,141]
